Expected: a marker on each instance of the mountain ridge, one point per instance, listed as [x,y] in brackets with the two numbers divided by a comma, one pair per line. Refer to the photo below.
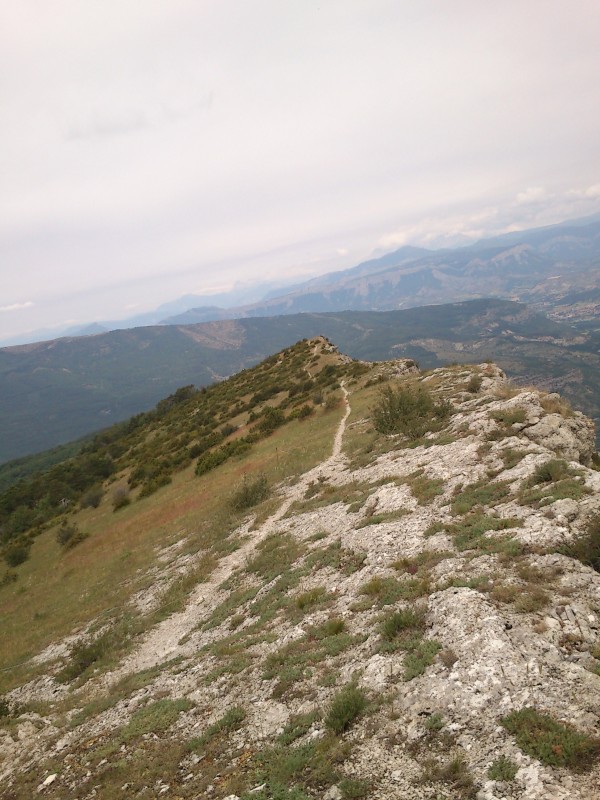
[57,391]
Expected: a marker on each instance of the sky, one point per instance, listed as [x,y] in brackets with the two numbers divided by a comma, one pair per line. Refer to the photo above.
[154,148]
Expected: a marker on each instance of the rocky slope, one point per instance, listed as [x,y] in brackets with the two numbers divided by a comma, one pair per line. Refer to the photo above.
[415,619]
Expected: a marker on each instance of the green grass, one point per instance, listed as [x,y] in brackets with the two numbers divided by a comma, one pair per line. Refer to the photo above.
[398,622]
[550,741]
[378,519]
[480,493]
[297,726]
[424,489]
[388,590]
[502,769]
[509,416]
[454,774]
[311,598]
[296,661]
[154,718]
[419,658]
[470,532]
[230,721]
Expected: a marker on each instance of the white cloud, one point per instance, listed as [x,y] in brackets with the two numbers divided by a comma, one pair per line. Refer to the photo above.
[533,194]
[17,306]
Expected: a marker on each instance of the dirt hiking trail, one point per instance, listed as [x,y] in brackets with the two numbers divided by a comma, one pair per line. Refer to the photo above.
[168,639]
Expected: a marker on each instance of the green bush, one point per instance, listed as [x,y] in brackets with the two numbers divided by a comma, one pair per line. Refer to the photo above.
[82,656]
[455,774]
[509,416]
[410,411]
[92,497]
[68,536]
[502,769]
[420,657]
[272,419]
[17,553]
[120,498]
[549,472]
[551,742]
[250,493]
[396,623]
[345,708]
[312,597]
[586,546]
[474,384]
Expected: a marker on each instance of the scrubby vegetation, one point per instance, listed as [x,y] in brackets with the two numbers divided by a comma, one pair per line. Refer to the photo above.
[550,741]
[408,410]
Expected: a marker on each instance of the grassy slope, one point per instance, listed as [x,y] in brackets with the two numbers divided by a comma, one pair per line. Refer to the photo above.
[58,591]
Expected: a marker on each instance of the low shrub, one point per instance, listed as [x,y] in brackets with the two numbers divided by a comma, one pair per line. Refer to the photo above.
[410,411]
[68,536]
[420,657]
[345,708]
[480,493]
[250,493]
[455,774]
[586,546]
[120,498]
[154,718]
[17,553]
[509,416]
[312,597]
[502,769]
[230,721]
[474,384]
[92,497]
[551,742]
[407,619]
[82,656]
[549,472]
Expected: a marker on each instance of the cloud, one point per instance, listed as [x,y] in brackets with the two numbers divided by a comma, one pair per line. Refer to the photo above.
[533,194]
[175,146]
[17,306]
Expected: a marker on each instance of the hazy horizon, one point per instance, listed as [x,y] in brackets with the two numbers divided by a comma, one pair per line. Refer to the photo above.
[153,150]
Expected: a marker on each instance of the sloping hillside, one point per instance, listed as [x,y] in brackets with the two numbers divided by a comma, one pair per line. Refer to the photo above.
[391,595]
[56,391]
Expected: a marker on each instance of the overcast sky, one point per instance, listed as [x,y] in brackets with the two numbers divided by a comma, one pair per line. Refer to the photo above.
[151,148]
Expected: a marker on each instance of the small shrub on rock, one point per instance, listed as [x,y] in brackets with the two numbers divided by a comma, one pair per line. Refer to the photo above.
[410,411]
[586,547]
[502,769]
[551,742]
[345,708]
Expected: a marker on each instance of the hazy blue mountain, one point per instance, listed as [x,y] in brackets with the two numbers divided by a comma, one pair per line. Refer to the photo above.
[541,266]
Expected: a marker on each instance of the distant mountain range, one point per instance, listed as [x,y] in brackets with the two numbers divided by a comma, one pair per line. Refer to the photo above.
[56,391]
[555,269]
[545,267]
